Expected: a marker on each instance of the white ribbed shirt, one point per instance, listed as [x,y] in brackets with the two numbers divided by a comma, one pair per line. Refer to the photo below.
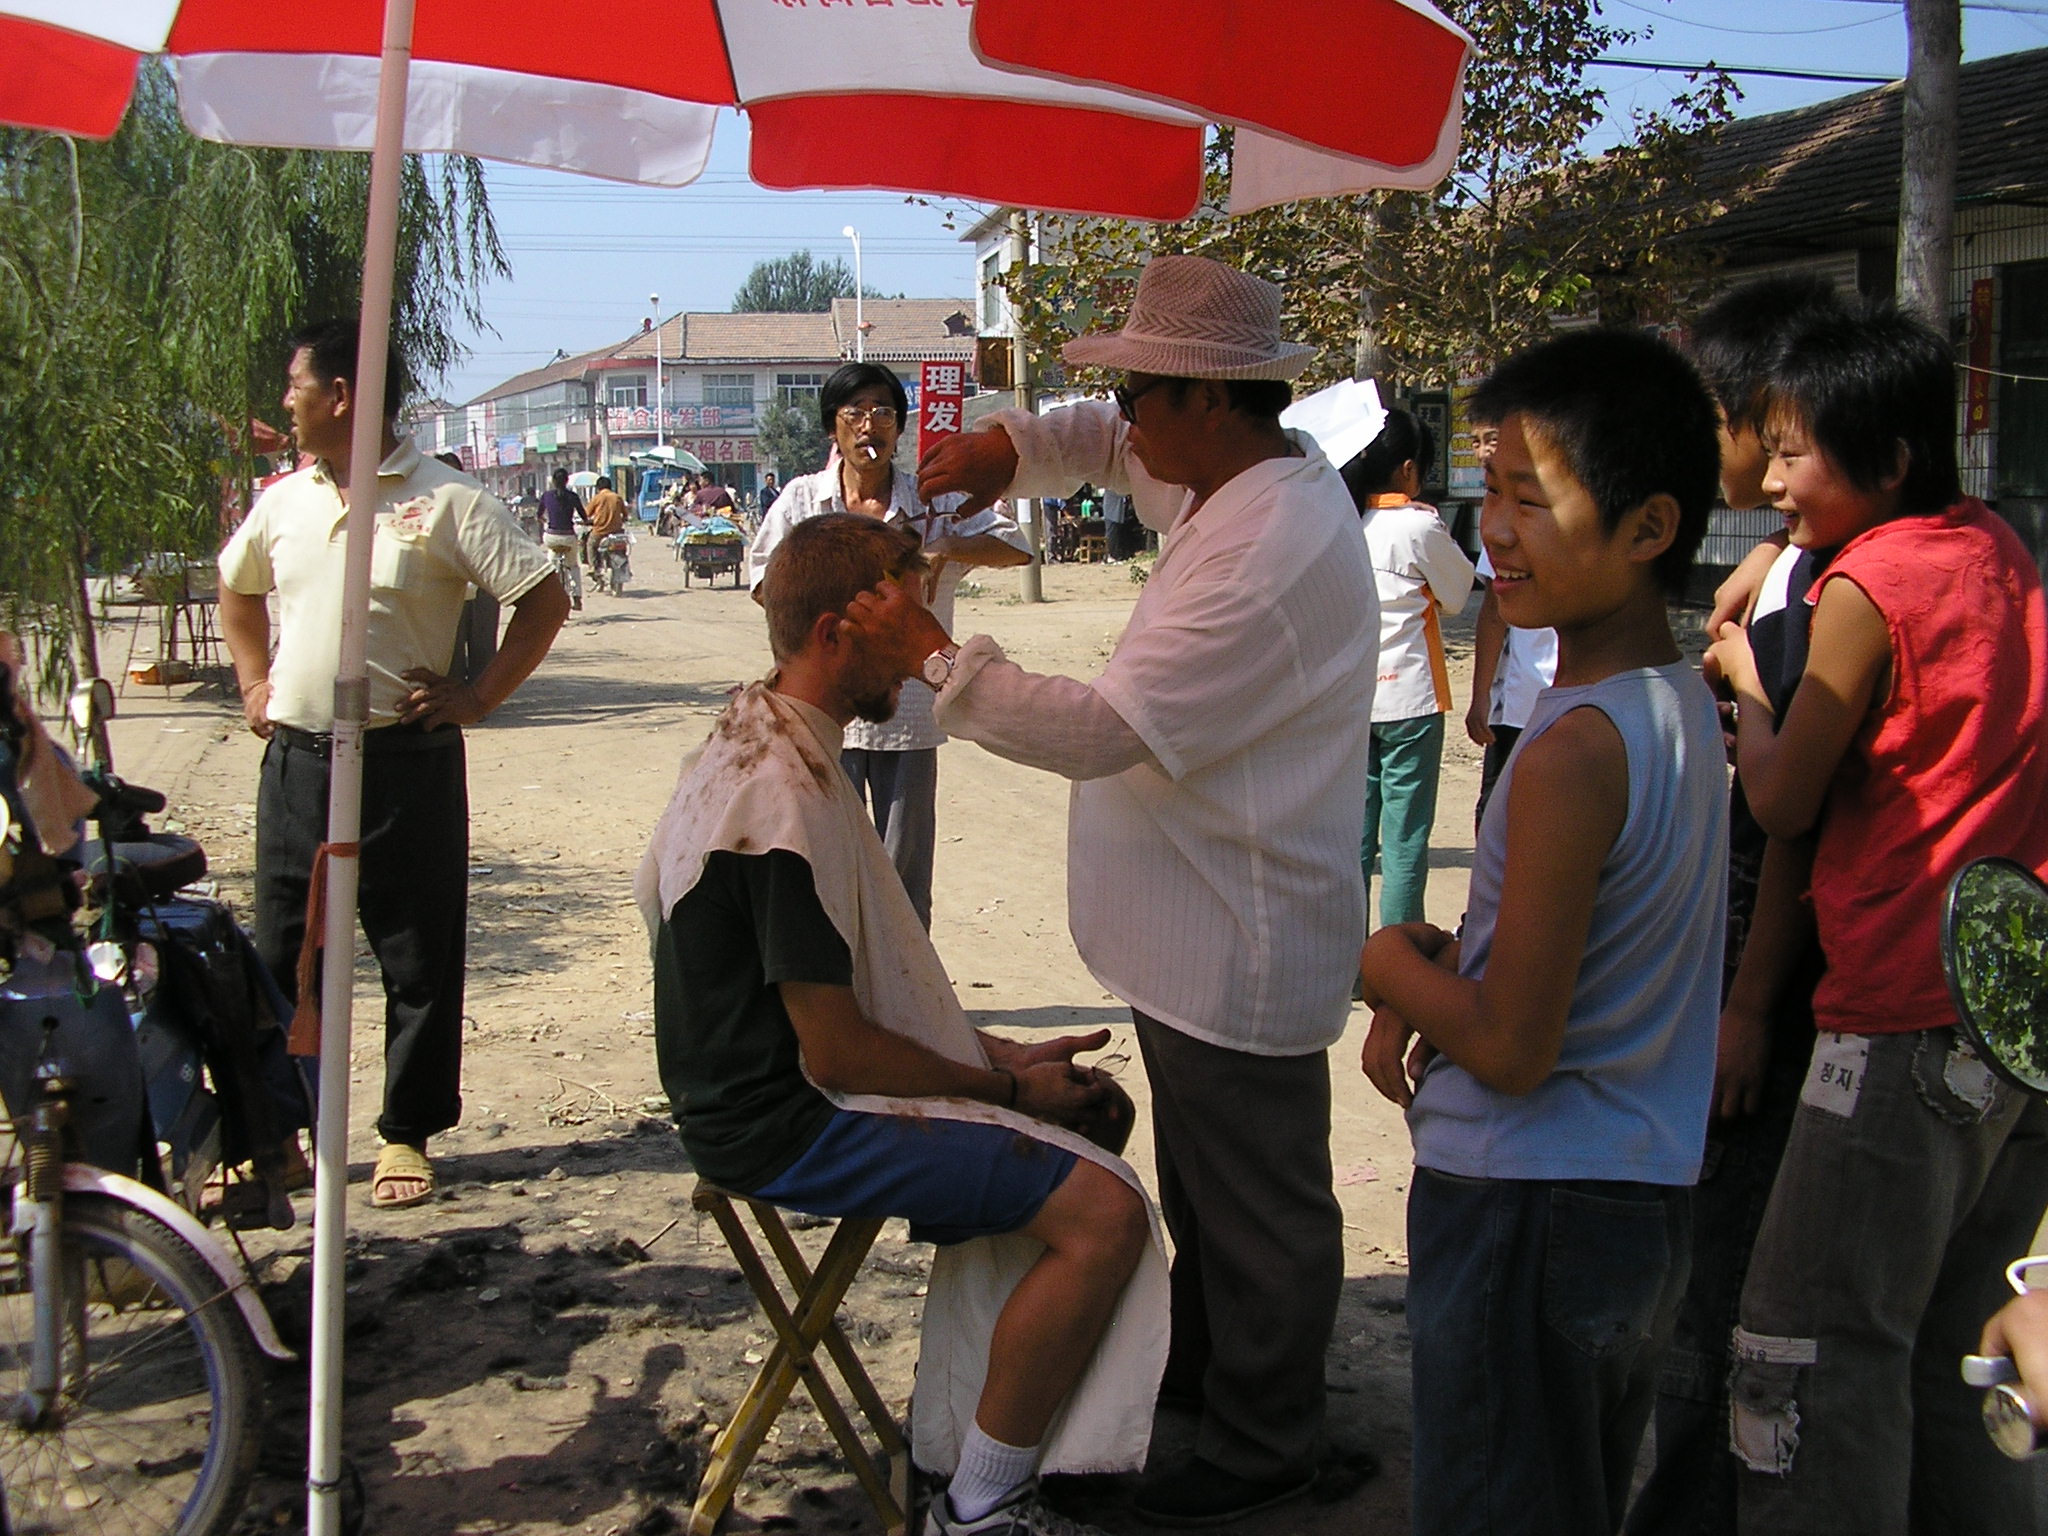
[1213,885]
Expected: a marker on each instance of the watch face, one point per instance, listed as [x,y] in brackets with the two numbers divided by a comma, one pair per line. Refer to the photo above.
[937,668]
[2008,1419]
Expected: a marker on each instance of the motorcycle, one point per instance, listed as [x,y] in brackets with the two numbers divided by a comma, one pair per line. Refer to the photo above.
[130,1064]
[613,562]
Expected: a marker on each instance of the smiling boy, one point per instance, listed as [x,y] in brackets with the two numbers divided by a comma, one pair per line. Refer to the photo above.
[1561,1087]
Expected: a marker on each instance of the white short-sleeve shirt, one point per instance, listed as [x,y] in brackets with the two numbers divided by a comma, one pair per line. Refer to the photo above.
[1418,569]
[1528,665]
[438,534]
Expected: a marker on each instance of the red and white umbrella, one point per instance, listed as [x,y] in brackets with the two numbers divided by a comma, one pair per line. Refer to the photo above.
[1079,105]
[1087,106]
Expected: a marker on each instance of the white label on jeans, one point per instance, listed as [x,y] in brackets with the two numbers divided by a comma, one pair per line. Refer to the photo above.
[1835,1079]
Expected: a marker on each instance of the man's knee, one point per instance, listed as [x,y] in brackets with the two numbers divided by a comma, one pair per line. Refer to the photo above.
[1094,1211]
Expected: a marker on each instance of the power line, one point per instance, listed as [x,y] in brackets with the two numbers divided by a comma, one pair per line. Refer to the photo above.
[2004,7]
[1746,69]
[1713,26]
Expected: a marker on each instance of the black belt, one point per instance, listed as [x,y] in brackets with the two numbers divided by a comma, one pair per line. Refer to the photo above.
[410,736]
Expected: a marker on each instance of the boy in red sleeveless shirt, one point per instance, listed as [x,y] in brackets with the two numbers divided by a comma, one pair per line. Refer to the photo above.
[1913,744]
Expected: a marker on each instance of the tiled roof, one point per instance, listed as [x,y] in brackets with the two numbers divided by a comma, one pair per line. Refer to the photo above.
[1815,174]
[715,337]
[539,378]
[908,330]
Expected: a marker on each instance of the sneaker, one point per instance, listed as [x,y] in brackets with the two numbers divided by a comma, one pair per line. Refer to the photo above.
[1198,1492]
[1023,1513]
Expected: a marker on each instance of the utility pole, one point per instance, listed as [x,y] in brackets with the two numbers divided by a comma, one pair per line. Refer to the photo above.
[1030,579]
[1927,187]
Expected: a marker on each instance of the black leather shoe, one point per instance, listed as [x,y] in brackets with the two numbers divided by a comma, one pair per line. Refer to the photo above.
[1198,1492]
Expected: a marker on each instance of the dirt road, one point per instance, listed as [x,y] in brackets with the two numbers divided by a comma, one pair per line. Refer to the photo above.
[547,1347]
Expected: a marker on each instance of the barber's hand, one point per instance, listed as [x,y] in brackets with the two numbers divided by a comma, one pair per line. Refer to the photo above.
[256,709]
[438,700]
[891,622]
[1058,1091]
[979,464]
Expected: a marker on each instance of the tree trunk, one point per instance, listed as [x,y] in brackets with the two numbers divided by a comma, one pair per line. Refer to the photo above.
[1927,192]
[1367,359]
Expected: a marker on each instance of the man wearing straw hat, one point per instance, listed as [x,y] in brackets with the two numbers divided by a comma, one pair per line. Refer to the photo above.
[1220,775]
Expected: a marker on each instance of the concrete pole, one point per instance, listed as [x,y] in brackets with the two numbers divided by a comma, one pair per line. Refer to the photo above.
[1030,578]
[1927,190]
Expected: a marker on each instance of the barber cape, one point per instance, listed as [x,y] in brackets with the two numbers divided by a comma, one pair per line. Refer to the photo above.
[765,779]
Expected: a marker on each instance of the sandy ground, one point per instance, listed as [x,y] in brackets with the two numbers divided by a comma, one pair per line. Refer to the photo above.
[549,1345]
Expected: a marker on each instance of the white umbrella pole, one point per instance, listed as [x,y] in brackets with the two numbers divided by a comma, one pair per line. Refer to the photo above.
[345,795]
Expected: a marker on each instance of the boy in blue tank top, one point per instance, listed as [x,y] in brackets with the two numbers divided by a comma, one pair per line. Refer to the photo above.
[1563,1051]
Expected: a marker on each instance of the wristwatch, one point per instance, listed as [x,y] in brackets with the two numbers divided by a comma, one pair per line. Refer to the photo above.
[937,670]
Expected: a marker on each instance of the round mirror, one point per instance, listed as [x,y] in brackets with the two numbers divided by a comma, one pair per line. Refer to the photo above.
[91,703]
[1994,946]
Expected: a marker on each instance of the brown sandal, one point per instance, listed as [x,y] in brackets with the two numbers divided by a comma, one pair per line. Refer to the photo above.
[401,1168]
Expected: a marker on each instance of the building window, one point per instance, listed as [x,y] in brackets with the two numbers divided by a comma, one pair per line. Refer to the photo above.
[991,291]
[798,391]
[626,392]
[729,389]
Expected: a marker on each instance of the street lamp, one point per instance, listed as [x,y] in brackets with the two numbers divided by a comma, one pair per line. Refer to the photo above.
[654,301]
[860,331]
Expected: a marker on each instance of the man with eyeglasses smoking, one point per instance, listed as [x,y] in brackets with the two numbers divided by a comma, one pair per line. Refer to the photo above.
[894,765]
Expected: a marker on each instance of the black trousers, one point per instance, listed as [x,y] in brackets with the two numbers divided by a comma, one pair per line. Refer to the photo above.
[413,898]
[1243,1146]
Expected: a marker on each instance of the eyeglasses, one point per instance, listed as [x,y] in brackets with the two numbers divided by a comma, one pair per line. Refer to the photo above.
[866,415]
[1127,398]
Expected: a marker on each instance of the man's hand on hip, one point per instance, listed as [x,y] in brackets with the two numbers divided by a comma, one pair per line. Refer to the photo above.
[979,464]
[436,701]
[890,622]
[256,708]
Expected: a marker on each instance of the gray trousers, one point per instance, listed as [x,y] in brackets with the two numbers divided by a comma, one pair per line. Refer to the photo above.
[1913,1177]
[902,793]
[1243,1146]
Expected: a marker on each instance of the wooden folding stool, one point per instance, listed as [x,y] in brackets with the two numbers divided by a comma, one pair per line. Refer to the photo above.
[801,1324]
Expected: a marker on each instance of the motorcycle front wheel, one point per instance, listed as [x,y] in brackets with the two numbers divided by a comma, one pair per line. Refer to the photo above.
[160,1415]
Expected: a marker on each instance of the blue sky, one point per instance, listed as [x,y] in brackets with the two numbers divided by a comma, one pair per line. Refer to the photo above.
[586,254]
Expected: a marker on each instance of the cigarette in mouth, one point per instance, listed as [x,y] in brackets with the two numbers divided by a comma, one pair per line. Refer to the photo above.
[867,450]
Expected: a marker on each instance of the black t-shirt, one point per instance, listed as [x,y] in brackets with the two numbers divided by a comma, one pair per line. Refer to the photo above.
[726,1049]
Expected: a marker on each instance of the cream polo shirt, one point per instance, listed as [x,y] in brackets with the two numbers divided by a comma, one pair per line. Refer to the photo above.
[911,728]
[438,533]
[1215,884]
[1419,569]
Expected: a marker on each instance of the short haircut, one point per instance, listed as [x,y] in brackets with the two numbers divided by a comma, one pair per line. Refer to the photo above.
[330,347]
[604,482]
[1402,439]
[1862,384]
[1263,399]
[560,477]
[1736,338]
[850,380]
[1632,420]
[823,564]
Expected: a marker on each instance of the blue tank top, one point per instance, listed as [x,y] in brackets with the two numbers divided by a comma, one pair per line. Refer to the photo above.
[1628,1098]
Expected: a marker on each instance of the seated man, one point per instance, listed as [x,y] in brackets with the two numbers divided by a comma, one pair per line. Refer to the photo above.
[817,1058]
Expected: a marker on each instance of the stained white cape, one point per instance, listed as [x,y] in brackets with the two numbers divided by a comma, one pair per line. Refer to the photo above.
[769,777]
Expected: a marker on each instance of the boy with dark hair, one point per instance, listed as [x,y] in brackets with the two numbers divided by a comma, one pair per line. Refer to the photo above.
[1766,1036]
[1912,744]
[1560,1088]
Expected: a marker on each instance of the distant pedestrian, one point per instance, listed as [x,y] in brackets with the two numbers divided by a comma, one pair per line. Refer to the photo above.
[560,509]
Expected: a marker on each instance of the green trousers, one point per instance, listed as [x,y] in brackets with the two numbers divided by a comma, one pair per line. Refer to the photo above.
[1400,806]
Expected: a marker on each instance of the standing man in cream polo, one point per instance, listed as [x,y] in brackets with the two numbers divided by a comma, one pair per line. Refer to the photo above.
[1220,771]
[437,533]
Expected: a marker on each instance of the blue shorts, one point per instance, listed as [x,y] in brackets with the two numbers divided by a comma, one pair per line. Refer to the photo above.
[952,1179]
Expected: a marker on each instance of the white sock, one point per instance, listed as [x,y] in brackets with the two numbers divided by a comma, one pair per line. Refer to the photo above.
[988,1471]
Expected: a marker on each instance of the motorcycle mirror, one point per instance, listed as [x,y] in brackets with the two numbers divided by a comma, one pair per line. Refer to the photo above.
[91,702]
[1994,948]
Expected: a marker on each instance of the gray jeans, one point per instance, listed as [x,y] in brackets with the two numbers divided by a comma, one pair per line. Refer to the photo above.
[902,793]
[1912,1178]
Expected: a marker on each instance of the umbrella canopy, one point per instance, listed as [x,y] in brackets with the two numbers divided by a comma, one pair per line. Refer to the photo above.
[1035,103]
[668,456]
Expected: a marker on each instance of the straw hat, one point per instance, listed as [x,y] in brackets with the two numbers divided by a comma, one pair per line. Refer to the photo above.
[1195,318]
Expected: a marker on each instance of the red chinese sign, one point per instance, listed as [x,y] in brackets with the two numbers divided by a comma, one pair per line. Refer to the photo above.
[720,450]
[1977,388]
[941,392]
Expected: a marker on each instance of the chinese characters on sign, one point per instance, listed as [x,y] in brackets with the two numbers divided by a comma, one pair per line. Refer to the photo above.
[941,391]
[679,418]
[1977,386]
[720,450]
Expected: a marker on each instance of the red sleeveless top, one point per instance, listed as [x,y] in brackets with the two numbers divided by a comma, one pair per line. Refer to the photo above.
[1949,766]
